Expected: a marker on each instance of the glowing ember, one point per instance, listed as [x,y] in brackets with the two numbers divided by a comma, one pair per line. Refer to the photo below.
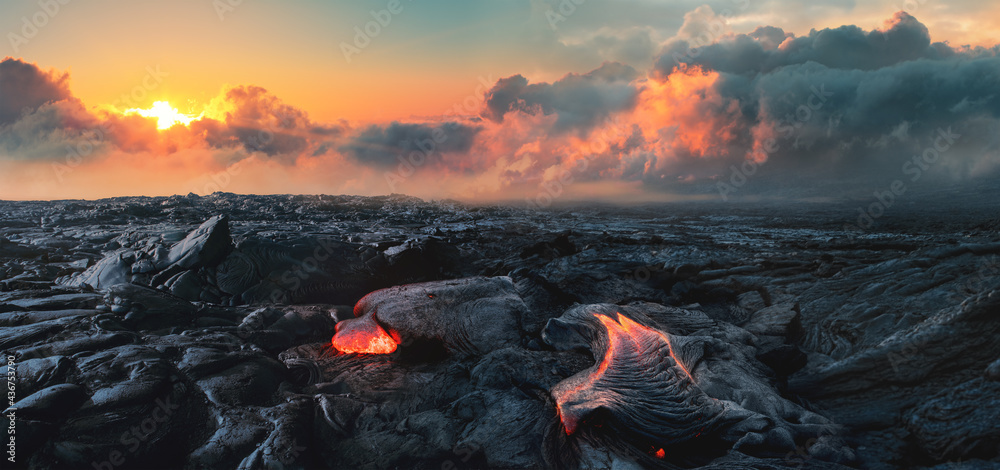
[362,337]
[661,454]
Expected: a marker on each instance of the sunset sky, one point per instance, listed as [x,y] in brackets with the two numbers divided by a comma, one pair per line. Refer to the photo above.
[489,100]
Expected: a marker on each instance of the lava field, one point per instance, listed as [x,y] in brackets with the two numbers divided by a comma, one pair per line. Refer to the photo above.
[284,332]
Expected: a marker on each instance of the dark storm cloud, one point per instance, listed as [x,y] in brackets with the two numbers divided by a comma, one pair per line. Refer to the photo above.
[846,47]
[579,101]
[24,88]
[847,105]
[832,106]
[39,117]
[837,106]
[383,145]
[872,117]
[46,132]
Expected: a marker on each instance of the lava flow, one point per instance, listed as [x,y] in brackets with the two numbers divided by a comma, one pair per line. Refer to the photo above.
[631,347]
[363,336]
[635,332]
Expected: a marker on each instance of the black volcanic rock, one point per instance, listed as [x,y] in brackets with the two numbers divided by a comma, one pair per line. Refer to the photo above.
[253,382]
[115,268]
[560,246]
[959,423]
[35,374]
[665,388]
[784,359]
[148,309]
[637,379]
[993,371]
[205,246]
[826,348]
[50,404]
[465,316]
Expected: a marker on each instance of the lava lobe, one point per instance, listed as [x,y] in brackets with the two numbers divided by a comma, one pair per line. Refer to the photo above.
[363,336]
[639,381]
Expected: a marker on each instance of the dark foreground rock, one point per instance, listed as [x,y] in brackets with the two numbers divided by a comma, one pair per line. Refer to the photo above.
[337,332]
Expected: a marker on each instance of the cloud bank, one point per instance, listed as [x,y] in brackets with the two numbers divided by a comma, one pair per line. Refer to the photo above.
[767,112]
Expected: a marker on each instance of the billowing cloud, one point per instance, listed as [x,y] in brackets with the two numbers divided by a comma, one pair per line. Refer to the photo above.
[849,105]
[43,118]
[837,108]
[257,121]
[24,88]
[845,117]
[385,145]
[579,101]
[901,39]
[803,115]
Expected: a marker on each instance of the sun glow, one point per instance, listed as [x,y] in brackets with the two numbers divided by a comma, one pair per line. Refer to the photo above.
[166,116]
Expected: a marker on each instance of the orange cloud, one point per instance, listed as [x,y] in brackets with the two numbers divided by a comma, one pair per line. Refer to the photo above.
[687,107]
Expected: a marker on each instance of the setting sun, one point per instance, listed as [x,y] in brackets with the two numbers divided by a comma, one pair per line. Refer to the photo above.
[166,115]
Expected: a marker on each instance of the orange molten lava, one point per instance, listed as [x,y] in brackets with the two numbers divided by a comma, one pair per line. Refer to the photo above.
[635,331]
[363,338]
[624,336]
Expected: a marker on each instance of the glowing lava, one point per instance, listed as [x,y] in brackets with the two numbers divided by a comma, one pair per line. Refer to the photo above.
[363,336]
[166,115]
[630,346]
[635,331]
